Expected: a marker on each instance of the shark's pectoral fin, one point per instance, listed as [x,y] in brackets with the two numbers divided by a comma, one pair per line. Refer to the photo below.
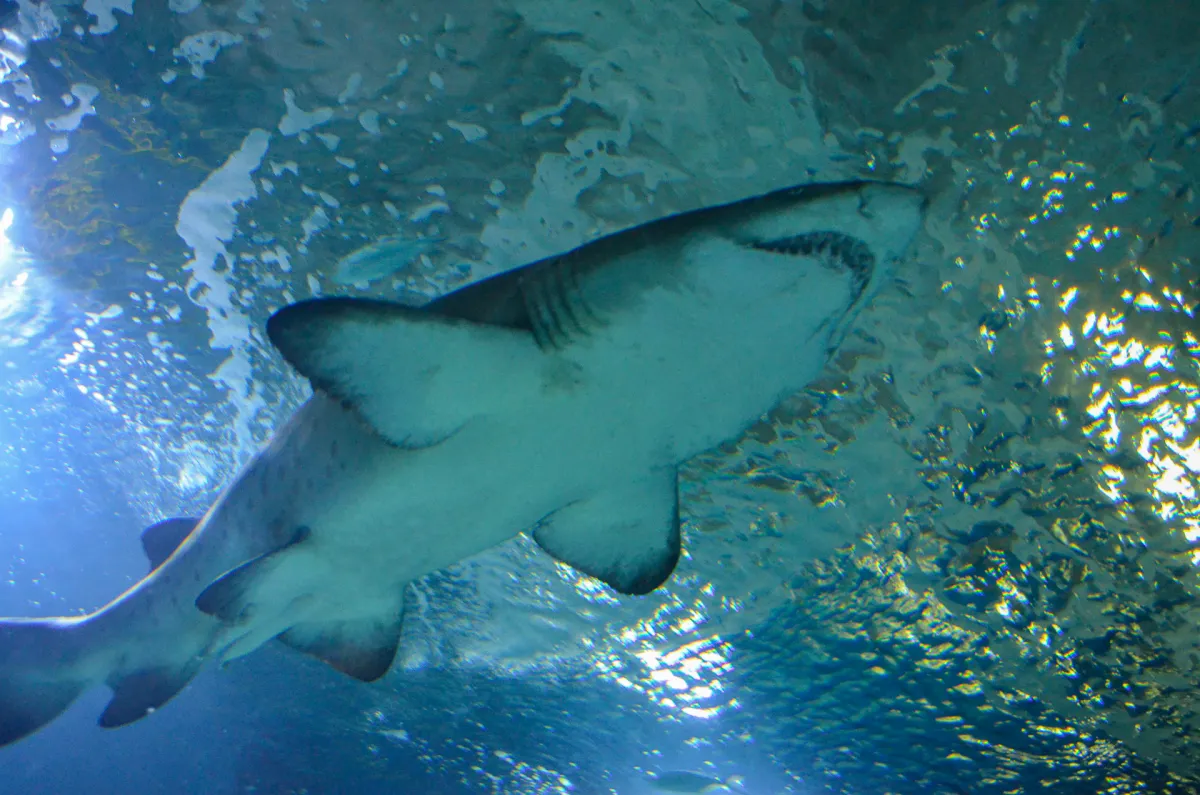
[415,376]
[363,648]
[160,540]
[229,597]
[628,536]
[137,694]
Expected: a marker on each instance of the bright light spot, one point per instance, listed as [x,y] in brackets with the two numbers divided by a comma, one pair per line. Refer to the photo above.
[1031,294]
[1111,326]
[6,249]
[1172,479]
[1189,455]
[1114,477]
[1159,357]
[1068,298]
[1089,324]
[687,679]
[13,282]
[1147,301]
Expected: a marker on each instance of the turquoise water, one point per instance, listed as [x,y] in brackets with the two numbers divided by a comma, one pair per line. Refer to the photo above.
[960,561]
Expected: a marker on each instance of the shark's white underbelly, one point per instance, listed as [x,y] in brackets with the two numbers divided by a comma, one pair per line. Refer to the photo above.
[637,403]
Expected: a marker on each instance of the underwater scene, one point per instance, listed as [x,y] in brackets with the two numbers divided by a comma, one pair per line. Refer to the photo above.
[612,397]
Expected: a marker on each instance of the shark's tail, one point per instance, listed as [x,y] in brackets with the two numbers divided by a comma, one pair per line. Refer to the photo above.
[43,668]
[46,663]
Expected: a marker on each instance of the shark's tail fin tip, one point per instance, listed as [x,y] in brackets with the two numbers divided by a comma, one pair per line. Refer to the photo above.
[38,673]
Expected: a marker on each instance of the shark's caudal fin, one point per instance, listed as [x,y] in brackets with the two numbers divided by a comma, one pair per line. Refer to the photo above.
[36,681]
[46,663]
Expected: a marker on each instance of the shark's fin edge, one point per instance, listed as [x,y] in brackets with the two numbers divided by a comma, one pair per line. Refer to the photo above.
[33,691]
[137,694]
[415,377]
[363,648]
[628,537]
[161,539]
[228,597]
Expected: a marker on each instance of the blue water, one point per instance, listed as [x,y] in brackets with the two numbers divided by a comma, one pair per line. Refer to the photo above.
[962,561]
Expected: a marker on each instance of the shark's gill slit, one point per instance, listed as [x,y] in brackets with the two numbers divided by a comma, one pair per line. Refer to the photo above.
[565,287]
[555,304]
[535,309]
[549,306]
[575,291]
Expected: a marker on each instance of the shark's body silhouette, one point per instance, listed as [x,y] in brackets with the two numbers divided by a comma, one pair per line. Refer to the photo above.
[556,399]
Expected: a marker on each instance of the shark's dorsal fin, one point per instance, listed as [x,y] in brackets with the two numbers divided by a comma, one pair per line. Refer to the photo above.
[415,376]
[628,536]
[363,648]
[160,540]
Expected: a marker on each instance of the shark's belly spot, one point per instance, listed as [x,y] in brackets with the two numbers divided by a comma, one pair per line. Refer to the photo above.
[561,376]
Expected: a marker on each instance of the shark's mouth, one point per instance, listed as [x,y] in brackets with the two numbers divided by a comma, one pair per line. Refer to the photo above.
[833,250]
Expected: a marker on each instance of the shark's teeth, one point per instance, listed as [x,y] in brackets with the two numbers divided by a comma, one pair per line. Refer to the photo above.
[831,248]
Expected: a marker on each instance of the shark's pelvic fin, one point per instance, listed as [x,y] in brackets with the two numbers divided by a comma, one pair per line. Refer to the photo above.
[627,537]
[136,695]
[415,376]
[363,648]
[229,596]
[160,540]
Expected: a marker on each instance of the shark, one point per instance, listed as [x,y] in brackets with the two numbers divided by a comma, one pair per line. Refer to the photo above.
[557,399]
